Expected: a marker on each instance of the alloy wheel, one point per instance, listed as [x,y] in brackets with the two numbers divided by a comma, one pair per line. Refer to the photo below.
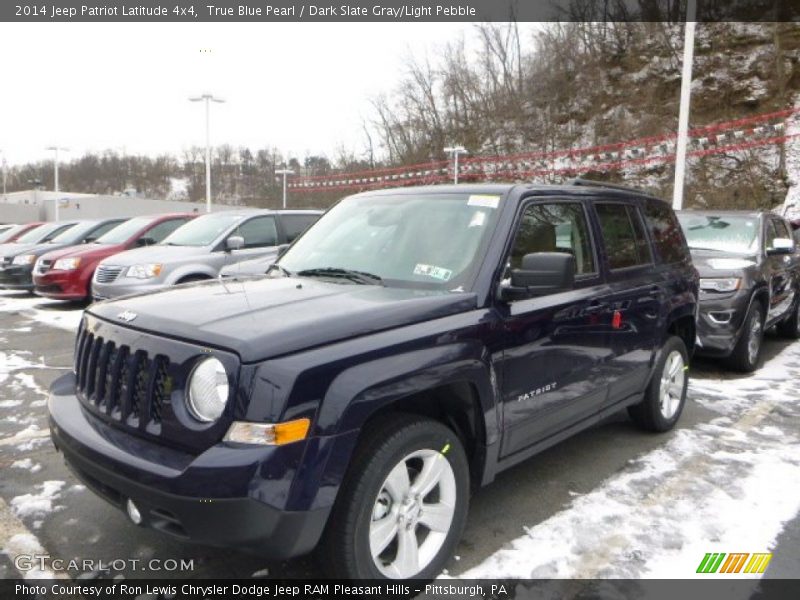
[673,378]
[412,514]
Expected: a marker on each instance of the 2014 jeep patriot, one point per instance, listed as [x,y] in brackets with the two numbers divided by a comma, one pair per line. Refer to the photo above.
[408,347]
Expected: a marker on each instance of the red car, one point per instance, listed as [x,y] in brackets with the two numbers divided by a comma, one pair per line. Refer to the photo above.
[66,274]
[15,231]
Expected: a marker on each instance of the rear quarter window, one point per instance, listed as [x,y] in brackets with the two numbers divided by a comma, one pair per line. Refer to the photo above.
[666,232]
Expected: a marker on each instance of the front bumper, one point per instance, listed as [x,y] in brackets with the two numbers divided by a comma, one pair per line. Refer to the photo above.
[60,285]
[720,320]
[16,277]
[216,498]
[124,286]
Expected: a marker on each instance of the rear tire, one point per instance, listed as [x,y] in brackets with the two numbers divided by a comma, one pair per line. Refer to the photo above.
[747,352]
[790,326]
[665,395]
[403,504]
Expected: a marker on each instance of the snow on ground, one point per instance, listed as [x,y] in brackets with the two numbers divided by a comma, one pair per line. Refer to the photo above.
[55,313]
[711,488]
[39,504]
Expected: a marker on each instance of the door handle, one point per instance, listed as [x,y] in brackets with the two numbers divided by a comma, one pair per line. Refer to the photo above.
[595,307]
[655,292]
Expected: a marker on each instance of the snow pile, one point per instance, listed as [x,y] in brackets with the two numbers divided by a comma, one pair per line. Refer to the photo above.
[711,488]
[38,505]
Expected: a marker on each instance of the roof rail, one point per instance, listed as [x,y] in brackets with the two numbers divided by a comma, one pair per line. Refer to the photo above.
[603,184]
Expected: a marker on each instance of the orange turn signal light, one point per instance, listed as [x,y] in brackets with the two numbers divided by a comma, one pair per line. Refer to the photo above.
[270,434]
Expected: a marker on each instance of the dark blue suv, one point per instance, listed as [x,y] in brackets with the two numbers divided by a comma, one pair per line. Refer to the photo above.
[405,349]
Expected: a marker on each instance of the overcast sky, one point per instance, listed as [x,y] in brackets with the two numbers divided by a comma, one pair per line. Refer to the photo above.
[301,87]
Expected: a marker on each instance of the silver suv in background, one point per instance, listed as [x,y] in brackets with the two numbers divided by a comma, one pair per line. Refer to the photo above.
[293,225]
[196,251]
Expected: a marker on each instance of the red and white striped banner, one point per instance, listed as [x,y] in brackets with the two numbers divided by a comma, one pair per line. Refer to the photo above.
[717,138]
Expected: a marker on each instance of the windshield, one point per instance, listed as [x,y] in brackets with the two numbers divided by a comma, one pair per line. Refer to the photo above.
[737,234]
[430,241]
[123,232]
[74,234]
[9,233]
[36,235]
[202,231]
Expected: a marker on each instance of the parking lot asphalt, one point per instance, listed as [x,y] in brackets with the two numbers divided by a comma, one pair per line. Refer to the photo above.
[611,502]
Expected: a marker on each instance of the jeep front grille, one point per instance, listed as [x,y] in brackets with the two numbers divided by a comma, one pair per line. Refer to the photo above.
[128,385]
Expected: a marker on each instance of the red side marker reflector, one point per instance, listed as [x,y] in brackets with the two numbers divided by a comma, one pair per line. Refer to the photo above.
[616,320]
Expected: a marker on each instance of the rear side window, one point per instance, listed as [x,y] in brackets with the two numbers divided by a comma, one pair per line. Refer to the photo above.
[665,230]
[294,225]
[163,229]
[258,232]
[625,241]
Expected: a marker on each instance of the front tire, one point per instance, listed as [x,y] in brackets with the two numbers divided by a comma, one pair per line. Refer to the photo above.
[665,395]
[747,352]
[403,504]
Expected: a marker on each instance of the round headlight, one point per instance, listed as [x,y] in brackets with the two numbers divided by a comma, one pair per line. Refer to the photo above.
[208,390]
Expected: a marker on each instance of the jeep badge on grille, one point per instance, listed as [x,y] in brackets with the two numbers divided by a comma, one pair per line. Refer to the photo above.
[127,316]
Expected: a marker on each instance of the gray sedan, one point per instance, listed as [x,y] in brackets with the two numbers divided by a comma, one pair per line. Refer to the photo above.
[197,251]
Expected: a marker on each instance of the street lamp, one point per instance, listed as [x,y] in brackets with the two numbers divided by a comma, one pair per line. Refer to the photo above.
[207,98]
[284,172]
[454,151]
[55,150]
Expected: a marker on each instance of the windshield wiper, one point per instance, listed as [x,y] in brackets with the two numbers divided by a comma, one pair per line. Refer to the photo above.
[350,274]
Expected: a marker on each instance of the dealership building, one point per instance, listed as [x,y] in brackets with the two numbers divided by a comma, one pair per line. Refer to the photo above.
[40,205]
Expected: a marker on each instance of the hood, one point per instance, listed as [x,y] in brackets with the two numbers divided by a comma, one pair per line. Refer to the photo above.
[39,249]
[262,318]
[157,254]
[13,249]
[95,251]
[722,264]
[254,266]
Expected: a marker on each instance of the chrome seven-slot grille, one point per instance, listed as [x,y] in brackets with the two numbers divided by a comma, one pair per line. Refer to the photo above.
[127,385]
[107,273]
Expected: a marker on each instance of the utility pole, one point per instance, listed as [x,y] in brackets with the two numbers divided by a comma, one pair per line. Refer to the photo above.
[686,95]
[208,99]
[55,150]
[455,151]
[284,172]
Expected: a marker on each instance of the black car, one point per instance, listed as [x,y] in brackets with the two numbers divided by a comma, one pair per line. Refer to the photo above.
[18,260]
[408,347]
[749,281]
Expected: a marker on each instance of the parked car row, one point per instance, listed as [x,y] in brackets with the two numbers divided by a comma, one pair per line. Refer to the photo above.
[77,260]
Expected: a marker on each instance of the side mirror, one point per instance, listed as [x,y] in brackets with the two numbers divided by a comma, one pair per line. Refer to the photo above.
[89,240]
[542,273]
[282,249]
[781,246]
[145,241]
[234,242]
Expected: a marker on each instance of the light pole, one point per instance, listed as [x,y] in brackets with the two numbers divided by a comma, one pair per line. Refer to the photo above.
[5,174]
[454,151]
[284,172]
[55,150]
[207,98]
[683,114]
